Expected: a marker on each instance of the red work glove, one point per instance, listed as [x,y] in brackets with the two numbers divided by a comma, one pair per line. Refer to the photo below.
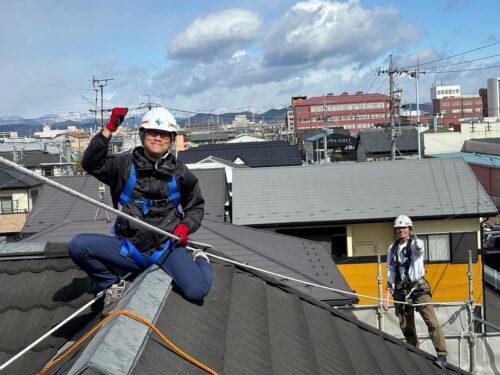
[182,232]
[115,120]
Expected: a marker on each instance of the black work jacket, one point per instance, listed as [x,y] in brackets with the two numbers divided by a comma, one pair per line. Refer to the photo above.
[151,184]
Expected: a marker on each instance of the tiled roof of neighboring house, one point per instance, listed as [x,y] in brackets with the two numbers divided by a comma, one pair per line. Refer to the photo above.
[11,179]
[248,324]
[213,159]
[485,160]
[317,136]
[245,138]
[200,137]
[253,154]
[33,158]
[53,206]
[79,135]
[358,192]
[28,146]
[373,141]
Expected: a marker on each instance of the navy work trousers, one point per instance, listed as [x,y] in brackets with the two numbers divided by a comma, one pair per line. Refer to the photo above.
[98,255]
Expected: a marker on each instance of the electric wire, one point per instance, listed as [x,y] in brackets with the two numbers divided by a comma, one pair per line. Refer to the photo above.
[449,57]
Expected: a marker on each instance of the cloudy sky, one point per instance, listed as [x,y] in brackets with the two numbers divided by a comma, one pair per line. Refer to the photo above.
[219,55]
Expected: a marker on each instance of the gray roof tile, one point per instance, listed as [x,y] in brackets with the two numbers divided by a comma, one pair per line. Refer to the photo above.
[358,192]
[254,154]
[12,179]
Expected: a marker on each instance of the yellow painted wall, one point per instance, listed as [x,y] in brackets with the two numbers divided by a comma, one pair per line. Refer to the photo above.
[375,238]
[449,282]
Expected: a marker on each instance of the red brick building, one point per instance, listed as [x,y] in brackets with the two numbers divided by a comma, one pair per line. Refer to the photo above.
[451,109]
[352,112]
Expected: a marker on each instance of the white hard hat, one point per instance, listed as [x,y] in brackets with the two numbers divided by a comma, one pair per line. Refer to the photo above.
[402,221]
[159,118]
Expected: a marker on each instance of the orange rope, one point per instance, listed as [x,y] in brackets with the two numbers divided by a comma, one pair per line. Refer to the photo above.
[139,319]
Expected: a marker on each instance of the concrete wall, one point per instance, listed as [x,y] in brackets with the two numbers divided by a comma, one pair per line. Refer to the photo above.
[437,143]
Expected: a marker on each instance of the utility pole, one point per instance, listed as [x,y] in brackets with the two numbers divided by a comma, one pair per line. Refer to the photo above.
[101,83]
[391,72]
[325,137]
[416,74]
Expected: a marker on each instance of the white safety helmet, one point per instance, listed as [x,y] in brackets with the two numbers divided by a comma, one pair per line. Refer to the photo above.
[403,221]
[159,118]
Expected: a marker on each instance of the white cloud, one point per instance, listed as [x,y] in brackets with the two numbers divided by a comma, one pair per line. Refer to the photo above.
[317,46]
[217,34]
[317,29]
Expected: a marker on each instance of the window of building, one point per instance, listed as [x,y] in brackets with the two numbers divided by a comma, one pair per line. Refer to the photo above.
[445,104]
[479,102]
[449,247]
[456,110]
[468,102]
[6,205]
[467,110]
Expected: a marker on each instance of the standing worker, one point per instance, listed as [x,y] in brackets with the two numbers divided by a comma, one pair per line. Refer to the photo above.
[405,279]
[151,185]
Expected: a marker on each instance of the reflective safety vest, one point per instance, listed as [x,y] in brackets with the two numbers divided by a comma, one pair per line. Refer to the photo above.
[175,197]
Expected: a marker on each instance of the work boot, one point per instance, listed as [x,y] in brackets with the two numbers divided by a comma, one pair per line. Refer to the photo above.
[440,361]
[114,294]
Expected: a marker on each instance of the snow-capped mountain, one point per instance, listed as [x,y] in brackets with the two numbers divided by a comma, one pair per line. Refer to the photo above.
[54,119]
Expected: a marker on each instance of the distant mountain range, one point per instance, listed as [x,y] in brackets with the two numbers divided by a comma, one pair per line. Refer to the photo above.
[27,127]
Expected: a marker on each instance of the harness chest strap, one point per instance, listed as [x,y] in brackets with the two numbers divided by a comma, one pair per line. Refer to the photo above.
[395,260]
[175,196]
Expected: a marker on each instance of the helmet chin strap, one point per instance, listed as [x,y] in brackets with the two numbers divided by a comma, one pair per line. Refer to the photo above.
[161,159]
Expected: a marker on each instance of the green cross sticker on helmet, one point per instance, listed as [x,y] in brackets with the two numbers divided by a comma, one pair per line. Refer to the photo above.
[159,118]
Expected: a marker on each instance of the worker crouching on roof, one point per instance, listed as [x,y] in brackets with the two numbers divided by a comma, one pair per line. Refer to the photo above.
[405,279]
[151,185]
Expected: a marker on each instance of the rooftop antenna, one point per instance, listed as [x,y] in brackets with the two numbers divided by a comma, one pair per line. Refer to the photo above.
[101,83]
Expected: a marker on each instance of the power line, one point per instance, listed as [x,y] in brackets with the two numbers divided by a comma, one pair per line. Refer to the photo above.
[449,57]
[467,70]
[463,62]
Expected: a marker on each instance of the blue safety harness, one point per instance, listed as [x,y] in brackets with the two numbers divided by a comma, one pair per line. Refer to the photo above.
[175,197]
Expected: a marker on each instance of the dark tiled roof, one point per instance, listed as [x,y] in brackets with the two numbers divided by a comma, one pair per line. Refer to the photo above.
[11,179]
[214,189]
[38,294]
[248,324]
[358,192]
[33,158]
[379,140]
[53,206]
[254,154]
